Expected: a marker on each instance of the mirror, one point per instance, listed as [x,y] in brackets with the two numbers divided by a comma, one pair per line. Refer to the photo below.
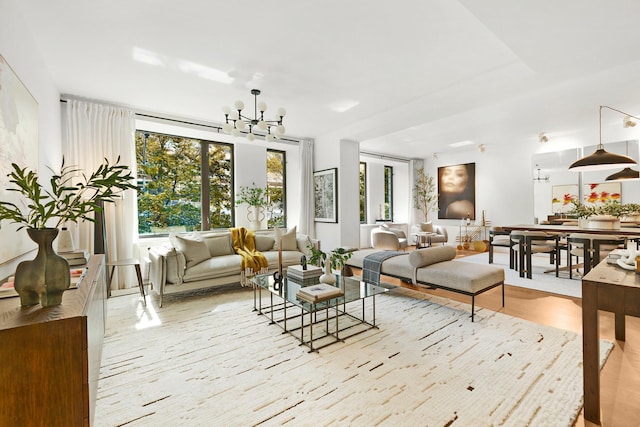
[552,196]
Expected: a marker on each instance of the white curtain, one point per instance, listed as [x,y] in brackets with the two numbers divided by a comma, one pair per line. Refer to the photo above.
[93,133]
[306,224]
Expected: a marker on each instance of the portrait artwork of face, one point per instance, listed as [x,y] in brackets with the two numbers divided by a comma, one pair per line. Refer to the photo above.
[454,179]
[456,191]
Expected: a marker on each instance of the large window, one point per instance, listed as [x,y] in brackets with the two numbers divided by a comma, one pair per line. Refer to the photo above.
[388,193]
[276,185]
[363,192]
[185,184]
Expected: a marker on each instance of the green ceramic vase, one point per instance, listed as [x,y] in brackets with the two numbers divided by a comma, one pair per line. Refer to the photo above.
[45,278]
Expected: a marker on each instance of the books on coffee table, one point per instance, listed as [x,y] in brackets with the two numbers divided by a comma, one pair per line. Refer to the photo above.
[318,293]
[296,272]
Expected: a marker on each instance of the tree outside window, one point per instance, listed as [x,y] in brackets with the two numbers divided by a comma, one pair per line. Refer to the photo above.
[388,193]
[171,185]
[276,185]
[363,192]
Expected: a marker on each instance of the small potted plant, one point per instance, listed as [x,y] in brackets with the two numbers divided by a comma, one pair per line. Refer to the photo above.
[256,200]
[71,197]
[334,261]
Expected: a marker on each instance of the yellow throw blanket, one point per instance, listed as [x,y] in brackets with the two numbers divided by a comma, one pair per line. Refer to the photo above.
[244,243]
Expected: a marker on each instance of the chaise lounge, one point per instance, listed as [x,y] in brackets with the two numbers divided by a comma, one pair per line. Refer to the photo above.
[436,267]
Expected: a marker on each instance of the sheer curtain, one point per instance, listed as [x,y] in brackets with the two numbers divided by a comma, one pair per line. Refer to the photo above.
[94,132]
[307,204]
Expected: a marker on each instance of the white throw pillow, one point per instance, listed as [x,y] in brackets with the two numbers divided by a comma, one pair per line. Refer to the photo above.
[219,245]
[264,243]
[195,251]
[427,227]
[287,238]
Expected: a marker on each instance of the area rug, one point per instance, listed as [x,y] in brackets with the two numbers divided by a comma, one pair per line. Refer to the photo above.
[208,359]
[543,279]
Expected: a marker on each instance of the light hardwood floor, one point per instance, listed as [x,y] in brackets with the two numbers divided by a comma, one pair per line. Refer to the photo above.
[620,377]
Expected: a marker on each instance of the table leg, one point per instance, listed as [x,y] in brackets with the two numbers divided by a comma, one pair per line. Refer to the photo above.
[590,352]
[113,269]
[620,325]
[140,284]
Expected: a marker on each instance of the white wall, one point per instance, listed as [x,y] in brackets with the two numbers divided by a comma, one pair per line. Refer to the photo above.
[21,53]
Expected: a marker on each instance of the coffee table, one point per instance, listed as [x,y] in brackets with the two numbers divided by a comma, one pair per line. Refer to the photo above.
[423,239]
[289,312]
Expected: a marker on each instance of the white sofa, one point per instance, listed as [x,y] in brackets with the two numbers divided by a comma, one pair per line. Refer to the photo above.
[441,234]
[204,259]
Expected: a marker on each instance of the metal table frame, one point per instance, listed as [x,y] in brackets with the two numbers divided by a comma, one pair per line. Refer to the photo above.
[292,308]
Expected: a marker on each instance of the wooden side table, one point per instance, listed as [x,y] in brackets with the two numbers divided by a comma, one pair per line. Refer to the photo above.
[124,262]
[606,287]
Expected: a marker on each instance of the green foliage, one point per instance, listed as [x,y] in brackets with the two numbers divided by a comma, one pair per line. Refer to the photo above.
[67,199]
[275,188]
[253,196]
[612,207]
[425,197]
[337,258]
[169,170]
[363,192]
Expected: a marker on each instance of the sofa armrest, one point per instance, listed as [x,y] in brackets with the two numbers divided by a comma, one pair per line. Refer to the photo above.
[167,266]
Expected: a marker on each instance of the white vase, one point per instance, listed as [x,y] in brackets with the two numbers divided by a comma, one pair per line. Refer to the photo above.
[255,215]
[64,241]
[328,278]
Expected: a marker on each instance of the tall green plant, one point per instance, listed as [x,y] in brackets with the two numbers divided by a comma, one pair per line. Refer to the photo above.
[425,197]
[67,200]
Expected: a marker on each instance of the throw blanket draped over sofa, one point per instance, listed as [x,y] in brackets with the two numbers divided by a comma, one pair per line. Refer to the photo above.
[244,243]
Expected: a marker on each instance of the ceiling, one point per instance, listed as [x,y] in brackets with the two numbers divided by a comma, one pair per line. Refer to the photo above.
[404,78]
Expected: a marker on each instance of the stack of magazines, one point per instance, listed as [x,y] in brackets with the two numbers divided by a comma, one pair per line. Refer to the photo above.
[303,277]
[318,293]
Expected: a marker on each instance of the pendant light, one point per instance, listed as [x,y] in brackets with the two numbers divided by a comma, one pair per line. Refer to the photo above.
[626,173]
[602,159]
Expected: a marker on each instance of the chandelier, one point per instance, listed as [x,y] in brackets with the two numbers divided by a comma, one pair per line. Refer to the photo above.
[540,178]
[238,124]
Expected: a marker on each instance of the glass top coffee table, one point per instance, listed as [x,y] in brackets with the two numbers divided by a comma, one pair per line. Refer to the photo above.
[331,320]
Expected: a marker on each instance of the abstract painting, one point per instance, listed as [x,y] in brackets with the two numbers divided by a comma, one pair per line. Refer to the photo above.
[599,194]
[18,144]
[563,197]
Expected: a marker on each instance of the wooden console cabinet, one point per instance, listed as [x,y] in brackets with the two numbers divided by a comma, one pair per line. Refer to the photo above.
[50,357]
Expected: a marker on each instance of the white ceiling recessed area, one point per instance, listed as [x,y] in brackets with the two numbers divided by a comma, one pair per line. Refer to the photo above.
[405,78]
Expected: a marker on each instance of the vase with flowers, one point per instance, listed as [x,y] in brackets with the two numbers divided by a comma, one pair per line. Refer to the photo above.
[71,196]
[256,200]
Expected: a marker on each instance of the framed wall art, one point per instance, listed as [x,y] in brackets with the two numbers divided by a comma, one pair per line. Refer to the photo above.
[457,191]
[563,197]
[599,194]
[18,144]
[325,183]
